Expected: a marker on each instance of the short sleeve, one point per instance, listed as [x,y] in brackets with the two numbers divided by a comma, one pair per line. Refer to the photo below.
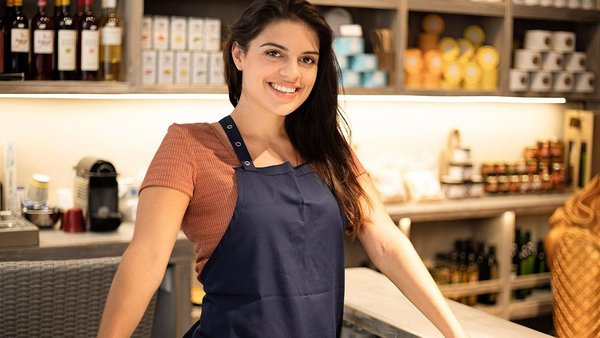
[360,169]
[173,165]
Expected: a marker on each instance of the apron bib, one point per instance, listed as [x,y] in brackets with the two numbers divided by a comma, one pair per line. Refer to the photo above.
[278,271]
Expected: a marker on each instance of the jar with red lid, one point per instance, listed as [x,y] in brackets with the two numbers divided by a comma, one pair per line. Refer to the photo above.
[543,150]
[491,184]
[525,183]
[487,169]
[503,183]
[500,168]
[547,183]
[536,183]
[532,167]
[514,183]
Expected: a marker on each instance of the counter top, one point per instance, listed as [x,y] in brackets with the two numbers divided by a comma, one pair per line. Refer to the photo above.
[56,244]
[373,303]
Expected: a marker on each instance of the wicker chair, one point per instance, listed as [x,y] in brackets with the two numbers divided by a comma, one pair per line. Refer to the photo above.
[58,298]
[573,247]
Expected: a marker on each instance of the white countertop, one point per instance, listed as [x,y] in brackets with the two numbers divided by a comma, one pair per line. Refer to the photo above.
[375,300]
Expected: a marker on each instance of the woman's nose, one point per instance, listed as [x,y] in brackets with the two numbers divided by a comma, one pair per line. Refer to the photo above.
[290,70]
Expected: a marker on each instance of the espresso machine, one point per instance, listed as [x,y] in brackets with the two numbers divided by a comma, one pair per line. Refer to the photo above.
[97,194]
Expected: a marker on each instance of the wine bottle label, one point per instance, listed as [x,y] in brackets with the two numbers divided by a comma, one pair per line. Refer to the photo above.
[19,40]
[43,41]
[111,36]
[66,49]
[89,50]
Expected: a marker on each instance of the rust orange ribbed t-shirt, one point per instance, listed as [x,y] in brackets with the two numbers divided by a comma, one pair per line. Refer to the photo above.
[193,158]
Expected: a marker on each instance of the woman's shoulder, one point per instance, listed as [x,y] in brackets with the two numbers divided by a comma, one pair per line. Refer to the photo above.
[202,137]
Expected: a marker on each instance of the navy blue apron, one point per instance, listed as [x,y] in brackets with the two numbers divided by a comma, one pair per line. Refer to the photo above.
[278,271]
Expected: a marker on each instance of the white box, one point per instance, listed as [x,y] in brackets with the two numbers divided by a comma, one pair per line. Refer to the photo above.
[147,33]
[212,30]
[149,67]
[166,65]
[160,33]
[183,67]
[215,68]
[200,67]
[196,34]
[178,33]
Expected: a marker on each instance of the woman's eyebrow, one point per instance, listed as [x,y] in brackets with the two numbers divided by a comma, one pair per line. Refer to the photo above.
[273,44]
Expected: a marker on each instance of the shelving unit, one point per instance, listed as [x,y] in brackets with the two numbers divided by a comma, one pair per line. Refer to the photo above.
[502,20]
[492,219]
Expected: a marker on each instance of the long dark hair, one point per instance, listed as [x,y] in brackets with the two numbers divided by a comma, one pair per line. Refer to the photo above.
[317,128]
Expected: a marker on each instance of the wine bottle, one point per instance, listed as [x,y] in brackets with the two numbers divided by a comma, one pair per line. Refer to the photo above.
[65,42]
[88,42]
[19,41]
[111,34]
[42,44]
[1,44]
[5,30]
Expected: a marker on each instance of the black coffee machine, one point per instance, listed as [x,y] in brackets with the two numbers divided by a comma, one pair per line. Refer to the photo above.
[97,194]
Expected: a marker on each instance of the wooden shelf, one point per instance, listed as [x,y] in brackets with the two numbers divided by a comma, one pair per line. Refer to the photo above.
[528,281]
[458,7]
[451,92]
[556,14]
[474,288]
[483,207]
[182,89]
[379,4]
[538,304]
[64,87]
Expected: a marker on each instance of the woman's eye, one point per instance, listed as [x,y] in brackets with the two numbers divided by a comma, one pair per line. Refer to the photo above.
[308,60]
[273,53]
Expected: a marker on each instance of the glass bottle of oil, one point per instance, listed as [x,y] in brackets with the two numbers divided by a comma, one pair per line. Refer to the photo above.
[111,40]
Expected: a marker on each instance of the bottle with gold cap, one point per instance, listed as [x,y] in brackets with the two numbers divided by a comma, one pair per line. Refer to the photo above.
[111,35]
[18,56]
[65,42]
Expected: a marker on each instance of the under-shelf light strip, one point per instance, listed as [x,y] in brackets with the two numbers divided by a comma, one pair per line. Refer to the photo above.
[346,98]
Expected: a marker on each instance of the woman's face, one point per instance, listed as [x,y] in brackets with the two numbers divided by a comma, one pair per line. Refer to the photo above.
[279,67]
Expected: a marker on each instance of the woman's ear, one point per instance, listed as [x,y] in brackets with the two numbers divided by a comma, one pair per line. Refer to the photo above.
[238,55]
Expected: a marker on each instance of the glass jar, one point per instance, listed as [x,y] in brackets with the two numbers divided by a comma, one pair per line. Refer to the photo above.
[536,183]
[557,148]
[503,183]
[525,183]
[514,184]
[547,184]
[491,184]
[487,169]
[543,149]
[500,168]
[530,153]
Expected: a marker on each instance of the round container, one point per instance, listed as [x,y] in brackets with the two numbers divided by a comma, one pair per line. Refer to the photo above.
[500,168]
[537,39]
[552,61]
[575,62]
[563,82]
[588,4]
[433,62]
[487,57]
[449,49]
[541,82]
[503,183]
[466,50]
[43,218]
[461,155]
[585,82]
[489,79]
[563,41]
[514,184]
[454,188]
[475,34]
[535,183]
[472,75]
[525,183]
[487,169]
[475,187]
[560,3]
[526,59]
[557,148]
[453,73]
[491,184]
[455,172]
[433,24]
[428,41]
[519,80]
[413,61]
[38,190]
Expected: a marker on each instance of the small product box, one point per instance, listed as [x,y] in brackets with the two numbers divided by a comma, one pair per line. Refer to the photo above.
[215,68]
[374,79]
[178,33]
[200,67]
[160,33]
[195,34]
[212,30]
[166,65]
[183,66]
[149,67]
[363,62]
[348,45]
[147,33]
[350,79]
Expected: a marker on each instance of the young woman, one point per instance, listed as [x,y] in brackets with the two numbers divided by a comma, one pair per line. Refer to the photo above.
[266,195]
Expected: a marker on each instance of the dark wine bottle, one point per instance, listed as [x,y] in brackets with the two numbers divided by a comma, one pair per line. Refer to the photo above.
[65,43]
[42,44]
[5,29]
[88,42]
[18,58]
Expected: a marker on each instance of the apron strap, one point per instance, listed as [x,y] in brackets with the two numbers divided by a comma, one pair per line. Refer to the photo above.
[234,136]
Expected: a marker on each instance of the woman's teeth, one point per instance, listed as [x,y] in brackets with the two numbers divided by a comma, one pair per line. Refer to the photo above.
[282,88]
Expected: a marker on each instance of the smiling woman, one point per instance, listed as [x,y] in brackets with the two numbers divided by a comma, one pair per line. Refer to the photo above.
[266,195]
